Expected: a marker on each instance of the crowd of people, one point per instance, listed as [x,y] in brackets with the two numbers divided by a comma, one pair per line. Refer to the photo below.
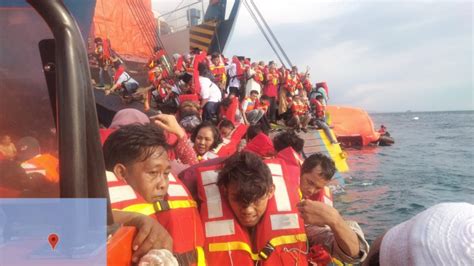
[273,203]
[244,92]
[205,183]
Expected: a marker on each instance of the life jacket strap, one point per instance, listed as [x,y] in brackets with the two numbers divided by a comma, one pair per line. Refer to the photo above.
[195,257]
[164,205]
[278,241]
[265,252]
[159,206]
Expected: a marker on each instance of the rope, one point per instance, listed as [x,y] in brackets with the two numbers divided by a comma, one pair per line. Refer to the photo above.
[263,31]
[271,32]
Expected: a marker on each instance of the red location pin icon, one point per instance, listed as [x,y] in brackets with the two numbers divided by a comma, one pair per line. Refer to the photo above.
[53,240]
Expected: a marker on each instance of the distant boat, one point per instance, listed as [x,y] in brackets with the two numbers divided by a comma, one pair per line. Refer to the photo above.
[416,118]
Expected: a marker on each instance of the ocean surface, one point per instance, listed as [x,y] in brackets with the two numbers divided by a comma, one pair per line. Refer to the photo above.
[431,162]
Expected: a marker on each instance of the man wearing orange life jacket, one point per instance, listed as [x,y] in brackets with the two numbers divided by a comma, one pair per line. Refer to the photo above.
[292,81]
[290,86]
[253,110]
[249,214]
[103,59]
[328,233]
[320,117]
[217,67]
[141,182]
[300,115]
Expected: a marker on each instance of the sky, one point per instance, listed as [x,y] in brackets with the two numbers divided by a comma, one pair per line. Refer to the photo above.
[382,56]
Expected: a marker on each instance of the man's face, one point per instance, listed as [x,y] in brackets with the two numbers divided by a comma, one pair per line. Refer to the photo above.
[249,215]
[215,61]
[312,182]
[254,96]
[150,177]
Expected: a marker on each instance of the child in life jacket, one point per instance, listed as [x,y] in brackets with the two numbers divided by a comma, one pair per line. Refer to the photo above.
[329,235]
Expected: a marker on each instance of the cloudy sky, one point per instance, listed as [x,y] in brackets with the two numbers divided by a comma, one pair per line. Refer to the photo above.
[379,55]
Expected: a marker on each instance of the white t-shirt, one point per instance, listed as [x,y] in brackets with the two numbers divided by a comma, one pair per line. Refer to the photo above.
[209,90]
[232,70]
[125,77]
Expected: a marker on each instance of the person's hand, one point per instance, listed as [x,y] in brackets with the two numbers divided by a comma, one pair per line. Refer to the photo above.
[151,235]
[107,92]
[169,123]
[317,213]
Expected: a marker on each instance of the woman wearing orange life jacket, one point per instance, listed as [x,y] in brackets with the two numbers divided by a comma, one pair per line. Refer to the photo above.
[141,182]
[206,141]
[320,117]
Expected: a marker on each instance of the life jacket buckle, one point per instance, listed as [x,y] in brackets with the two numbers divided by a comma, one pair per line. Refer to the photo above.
[266,251]
[161,205]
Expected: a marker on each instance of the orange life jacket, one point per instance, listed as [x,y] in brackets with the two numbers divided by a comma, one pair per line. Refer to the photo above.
[218,70]
[188,97]
[258,77]
[179,66]
[280,237]
[45,164]
[263,106]
[231,147]
[251,104]
[293,163]
[299,108]
[178,214]
[272,77]
[230,111]
[324,195]
[292,83]
[320,110]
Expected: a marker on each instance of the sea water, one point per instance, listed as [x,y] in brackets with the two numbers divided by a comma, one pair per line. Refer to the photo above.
[431,162]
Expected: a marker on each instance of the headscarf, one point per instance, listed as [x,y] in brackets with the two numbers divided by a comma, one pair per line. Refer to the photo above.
[128,116]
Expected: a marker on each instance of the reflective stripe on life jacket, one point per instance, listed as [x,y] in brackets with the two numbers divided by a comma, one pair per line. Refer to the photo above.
[280,237]
[178,214]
